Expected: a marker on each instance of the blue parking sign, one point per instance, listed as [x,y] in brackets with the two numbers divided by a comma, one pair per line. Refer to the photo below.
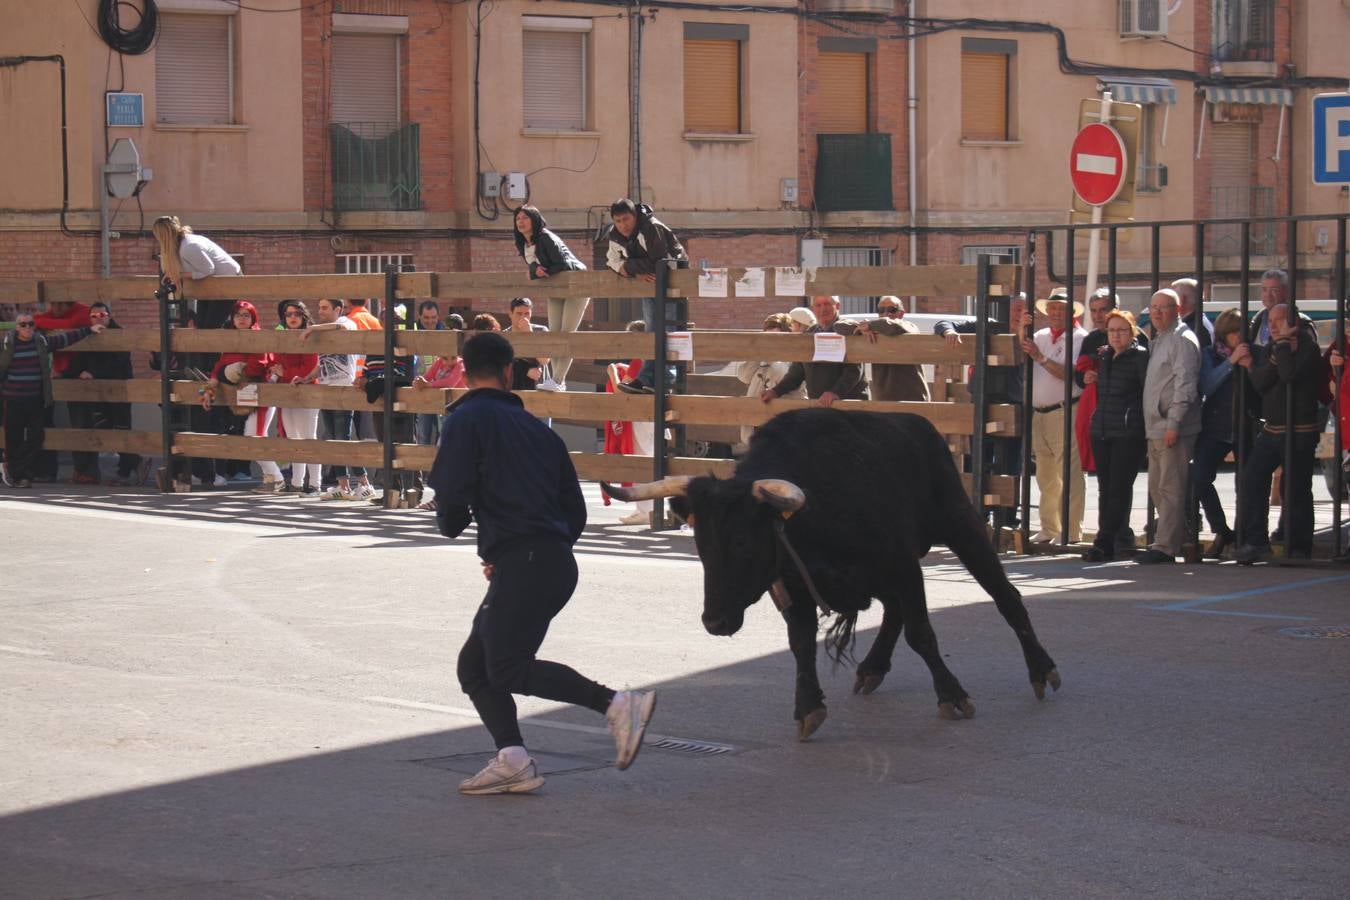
[126,109]
[1331,139]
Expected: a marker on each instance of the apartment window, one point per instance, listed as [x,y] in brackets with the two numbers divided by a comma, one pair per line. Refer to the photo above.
[714,80]
[365,82]
[986,89]
[556,73]
[843,76]
[194,70]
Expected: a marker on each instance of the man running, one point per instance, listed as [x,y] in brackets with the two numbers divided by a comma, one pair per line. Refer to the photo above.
[504,468]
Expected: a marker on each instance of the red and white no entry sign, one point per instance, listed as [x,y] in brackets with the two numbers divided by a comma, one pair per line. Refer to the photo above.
[1097,164]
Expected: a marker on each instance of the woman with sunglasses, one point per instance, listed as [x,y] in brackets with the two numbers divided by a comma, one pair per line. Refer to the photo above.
[546,255]
[298,424]
[240,368]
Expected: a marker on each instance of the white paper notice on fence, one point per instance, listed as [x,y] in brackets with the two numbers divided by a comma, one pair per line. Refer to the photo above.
[789,281]
[247,395]
[829,347]
[751,284]
[680,344]
[712,283]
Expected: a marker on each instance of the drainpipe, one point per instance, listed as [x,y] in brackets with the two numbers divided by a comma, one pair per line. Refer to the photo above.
[635,101]
[912,103]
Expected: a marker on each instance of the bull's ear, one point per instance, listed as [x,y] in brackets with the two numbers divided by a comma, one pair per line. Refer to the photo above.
[680,507]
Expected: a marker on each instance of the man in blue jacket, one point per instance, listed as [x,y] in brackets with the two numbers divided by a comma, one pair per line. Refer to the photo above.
[499,465]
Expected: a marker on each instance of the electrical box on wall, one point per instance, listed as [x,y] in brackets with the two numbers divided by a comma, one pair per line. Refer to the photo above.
[516,188]
[787,190]
[492,184]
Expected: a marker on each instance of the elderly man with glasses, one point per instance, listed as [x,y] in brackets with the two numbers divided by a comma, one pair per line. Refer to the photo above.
[105,366]
[894,381]
[26,390]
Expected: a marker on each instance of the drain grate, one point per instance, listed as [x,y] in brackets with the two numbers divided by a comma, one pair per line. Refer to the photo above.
[698,748]
[1316,631]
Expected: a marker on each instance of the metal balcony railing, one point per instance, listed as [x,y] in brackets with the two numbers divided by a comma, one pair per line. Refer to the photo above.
[1241,202]
[853,171]
[1244,31]
[376,165]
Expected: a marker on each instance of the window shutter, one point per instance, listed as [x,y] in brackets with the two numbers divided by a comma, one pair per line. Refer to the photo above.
[365,81]
[712,86]
[555,80]
[841,92]
[193,70]
[1230,156]
[984,96]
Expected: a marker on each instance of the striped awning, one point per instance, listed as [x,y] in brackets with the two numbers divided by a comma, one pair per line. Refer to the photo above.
[1263,95]
[1140,90]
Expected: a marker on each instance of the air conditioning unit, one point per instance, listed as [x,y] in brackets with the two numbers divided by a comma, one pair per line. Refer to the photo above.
[1143,18]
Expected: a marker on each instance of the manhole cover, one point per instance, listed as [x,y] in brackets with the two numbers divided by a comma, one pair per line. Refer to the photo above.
[1316,631]
[548,763]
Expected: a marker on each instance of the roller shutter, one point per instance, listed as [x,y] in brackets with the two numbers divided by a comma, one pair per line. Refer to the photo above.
[365,81]
[712,86]
[841,93]
[984,96]
[555,87]
[193,70]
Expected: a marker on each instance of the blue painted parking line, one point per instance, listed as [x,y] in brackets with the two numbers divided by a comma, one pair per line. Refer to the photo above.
[1195,605]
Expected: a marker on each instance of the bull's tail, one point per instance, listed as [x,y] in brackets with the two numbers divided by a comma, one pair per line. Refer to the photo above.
[840,638]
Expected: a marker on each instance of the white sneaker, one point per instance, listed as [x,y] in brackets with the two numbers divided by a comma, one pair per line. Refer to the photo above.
[499,777]
[635,518]
[220,481]
[627,716]
[1044,537]
[336,493]
[362,492]
[196,482]
[548,384]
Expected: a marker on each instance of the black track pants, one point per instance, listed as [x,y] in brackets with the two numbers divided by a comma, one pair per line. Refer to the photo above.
[530,585]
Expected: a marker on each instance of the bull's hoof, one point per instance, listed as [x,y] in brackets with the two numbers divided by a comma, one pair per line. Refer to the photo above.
[807,725]
[1039,686]
[963,709]
[866,684]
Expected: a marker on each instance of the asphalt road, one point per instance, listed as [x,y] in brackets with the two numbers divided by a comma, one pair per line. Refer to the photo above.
[219,695]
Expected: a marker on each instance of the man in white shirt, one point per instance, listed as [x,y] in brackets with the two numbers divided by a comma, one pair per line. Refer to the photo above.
[1047,349]
[339,369]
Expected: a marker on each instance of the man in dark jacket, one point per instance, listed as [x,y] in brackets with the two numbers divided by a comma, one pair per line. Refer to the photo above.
[637,243]
[894,381]
[499,465]
[826,382]
[113,366]
[1291,357]
[26,390]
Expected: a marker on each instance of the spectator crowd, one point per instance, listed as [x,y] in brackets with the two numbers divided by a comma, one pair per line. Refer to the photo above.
[1177,397]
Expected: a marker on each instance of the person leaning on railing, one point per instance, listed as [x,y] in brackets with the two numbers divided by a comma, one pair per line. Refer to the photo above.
[299,424]
[26,390]
[546,255]
[760,375]
[184,254]
[894,381]
[86,365]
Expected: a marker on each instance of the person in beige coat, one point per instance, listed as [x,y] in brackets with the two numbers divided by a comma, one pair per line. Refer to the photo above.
[894,381]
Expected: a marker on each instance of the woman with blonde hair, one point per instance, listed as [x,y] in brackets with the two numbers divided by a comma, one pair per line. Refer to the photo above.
[185,254]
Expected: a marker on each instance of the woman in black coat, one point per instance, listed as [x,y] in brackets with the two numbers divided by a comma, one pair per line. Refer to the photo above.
[1118,440]
[545,254]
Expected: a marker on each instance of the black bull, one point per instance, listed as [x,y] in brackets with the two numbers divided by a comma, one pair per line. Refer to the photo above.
[860,498]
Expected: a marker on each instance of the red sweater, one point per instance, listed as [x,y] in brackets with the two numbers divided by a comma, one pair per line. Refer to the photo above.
[77,316]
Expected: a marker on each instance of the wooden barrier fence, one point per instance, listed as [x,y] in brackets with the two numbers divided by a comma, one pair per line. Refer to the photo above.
[955,419]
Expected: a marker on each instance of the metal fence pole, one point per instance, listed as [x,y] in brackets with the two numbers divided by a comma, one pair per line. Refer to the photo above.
[659,448]
[1338,438]
[166,397]
[1242,427]
[1285,481]
[1155,282]
[977,386]
[390,292]
[1028,367]
[1066,485]
[1197,325]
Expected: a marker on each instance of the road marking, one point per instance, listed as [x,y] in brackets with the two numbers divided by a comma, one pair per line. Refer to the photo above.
[648,738]
[1194,605]
[22,651]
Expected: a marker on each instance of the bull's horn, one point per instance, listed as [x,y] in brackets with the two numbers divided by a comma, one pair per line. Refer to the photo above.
[670,486]
[778,493]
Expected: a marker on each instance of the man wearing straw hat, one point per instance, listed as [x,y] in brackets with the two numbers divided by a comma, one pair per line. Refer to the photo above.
[1049,350]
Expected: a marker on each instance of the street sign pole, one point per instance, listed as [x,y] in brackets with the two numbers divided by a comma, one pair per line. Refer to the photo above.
[1094,236]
